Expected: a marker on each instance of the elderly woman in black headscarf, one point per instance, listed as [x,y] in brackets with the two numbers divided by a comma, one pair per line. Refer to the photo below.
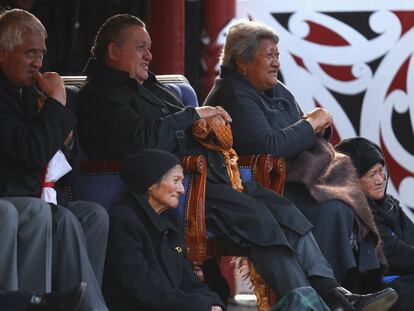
[145,267]
[395,228]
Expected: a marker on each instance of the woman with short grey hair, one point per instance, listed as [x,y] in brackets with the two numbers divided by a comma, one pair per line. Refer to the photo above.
[266,119]
[242,41]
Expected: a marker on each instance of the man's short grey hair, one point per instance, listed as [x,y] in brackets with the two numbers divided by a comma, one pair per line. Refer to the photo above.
[242,41]
[14,23]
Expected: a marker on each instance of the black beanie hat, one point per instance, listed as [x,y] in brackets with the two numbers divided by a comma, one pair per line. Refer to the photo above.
[144,168]
[364,153]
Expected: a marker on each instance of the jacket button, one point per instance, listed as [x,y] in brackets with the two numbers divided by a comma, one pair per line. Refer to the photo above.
[165,110]
[280,105]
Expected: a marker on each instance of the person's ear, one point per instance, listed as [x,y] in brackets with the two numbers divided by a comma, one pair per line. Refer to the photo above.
[149,191]
[113,52]
[241,66]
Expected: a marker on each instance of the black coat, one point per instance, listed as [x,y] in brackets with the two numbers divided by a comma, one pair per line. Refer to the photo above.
[28,139]
[346,252]
[269,122]
[119,116]
[145,267]
[397,234]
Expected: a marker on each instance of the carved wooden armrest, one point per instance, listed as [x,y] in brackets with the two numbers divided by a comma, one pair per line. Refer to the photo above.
[261,166]
[270,172]
[195,224]
[278,175]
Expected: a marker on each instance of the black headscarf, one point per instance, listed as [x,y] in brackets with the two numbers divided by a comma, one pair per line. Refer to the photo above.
[364,153]
[143,169]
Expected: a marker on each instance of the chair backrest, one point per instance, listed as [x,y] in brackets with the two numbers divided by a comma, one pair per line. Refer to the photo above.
[176,83]
[264,169]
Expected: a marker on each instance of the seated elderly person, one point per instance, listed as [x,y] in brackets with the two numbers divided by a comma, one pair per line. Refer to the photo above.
[146,268]
[395,228]
[38,147]
[267,119]
[124,109]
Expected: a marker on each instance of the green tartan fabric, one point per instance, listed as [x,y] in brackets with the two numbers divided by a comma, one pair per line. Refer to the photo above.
[301,299]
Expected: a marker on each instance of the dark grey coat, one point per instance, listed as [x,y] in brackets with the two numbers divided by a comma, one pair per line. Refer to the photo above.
[264,123]
[397,234]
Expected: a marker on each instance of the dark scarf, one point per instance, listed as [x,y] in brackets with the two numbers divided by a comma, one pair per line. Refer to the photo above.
[330,175]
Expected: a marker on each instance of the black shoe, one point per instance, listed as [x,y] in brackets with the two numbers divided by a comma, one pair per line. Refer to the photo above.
[340,299]
[66,301]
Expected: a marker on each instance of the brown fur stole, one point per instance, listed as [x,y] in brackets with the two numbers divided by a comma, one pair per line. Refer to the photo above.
[330,175]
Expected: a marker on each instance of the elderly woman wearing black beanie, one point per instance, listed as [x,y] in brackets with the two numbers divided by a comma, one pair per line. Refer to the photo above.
[395,228]
[145,267]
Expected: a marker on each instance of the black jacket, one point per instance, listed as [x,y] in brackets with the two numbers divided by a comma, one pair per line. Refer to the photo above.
[145,266]
[263,122]
[118,116]
[28,139]
[397,234]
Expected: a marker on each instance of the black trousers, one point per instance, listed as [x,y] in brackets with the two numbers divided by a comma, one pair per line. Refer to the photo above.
[285,270]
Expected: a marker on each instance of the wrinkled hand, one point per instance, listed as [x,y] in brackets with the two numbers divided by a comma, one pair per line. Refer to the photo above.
[216,308]
[320,119]
[207,112]
[51,85]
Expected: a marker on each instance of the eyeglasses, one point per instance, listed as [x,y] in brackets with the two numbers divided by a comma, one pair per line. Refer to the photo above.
[35,54]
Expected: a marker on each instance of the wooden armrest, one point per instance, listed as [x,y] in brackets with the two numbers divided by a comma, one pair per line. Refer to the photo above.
[278,175]
[195,223]
[261,166]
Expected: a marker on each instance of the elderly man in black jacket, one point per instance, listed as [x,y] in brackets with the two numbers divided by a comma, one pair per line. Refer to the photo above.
[36,129]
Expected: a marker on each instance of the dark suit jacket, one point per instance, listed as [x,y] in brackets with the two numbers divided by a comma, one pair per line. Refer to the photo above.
[145,266]
[28,140]
[118,116]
